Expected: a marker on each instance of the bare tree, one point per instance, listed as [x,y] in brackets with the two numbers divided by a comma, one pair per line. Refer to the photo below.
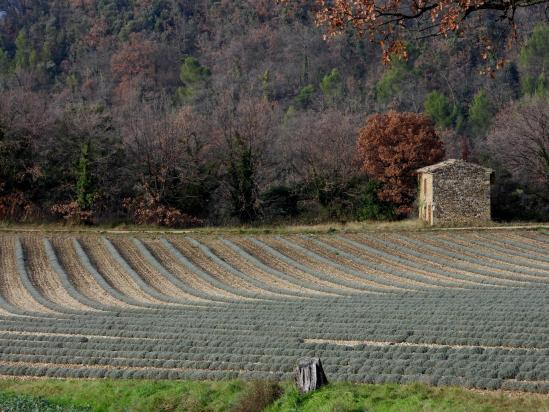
[323,146]
[247,128]
[171,154]
[318,160]
[520,141]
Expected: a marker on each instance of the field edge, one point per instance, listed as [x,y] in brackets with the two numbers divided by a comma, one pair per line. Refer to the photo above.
[227,395]
[407,225]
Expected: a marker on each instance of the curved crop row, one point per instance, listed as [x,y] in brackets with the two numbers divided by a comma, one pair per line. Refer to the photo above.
[65,280]
[286,293]
[496,245]
[206,276]
[473,275]
[135,276]
[336,281]
[86,263]
[360,274]
[471,264]
[507,264]
[29,285]
[286,276]
[171,277]
[416,277]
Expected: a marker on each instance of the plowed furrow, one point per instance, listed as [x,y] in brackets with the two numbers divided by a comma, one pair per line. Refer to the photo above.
[147,272]
[512,264]
[45,279]
[507,246]
[243,265]
[113,273]
[11,286]
[170,263]
[471,263]
[446,281]
[347,261]
[200,259]
[80,277]
[317,266]
[272,261]
[429,259]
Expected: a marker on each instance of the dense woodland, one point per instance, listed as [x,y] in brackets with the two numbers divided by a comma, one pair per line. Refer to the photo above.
[186,113]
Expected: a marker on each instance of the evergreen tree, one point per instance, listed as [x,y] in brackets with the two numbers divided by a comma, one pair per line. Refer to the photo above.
[22,51]
[541,86]
[305,96]
[4,63]
[266,84]
[534,60]
[242,178]
[331,86]
[371,208]
[84,191]
[481,112]
[396,81]
[193,76]
[440,110]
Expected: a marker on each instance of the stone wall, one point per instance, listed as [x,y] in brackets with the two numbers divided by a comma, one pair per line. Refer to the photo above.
[461,194]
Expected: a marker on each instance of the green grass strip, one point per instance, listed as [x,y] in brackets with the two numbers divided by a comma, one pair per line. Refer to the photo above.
[144,395]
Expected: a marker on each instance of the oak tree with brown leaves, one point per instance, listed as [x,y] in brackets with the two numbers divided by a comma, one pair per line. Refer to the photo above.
[391,147]
[391,23]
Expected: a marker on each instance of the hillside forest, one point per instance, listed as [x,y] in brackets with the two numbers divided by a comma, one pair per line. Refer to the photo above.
[210,112]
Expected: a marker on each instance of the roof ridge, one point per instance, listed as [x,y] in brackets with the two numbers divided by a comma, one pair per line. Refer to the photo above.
[449,162]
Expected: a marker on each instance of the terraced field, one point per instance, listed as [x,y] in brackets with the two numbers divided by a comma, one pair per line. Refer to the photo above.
[447,308]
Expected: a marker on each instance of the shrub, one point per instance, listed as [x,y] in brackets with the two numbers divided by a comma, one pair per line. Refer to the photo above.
[371,207]
[16,207]
[279,201]
[149,210]
[258,396]
[21,403]
[72,213]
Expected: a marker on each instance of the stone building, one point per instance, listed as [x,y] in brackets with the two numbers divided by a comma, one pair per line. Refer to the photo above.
[454,192]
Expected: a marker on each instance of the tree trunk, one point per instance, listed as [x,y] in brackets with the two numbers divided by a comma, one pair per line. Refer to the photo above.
[309,375]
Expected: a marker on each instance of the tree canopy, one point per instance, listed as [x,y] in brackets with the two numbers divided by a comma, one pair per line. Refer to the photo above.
[391,147]
[391,23]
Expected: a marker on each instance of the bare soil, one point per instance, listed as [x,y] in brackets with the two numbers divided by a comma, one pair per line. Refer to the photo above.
[11,286]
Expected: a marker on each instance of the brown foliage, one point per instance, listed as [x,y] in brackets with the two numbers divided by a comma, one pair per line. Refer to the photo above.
[390,22]
[15,207]
[134,65]
[392,146]
[72,213]
[147,210]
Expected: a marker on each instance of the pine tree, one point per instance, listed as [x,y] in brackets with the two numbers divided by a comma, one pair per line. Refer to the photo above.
[305,96]
[4,62]
[193,76]
[332,87]
[440,110]
[481,112]
[534,60]
[22,51]
[266,84]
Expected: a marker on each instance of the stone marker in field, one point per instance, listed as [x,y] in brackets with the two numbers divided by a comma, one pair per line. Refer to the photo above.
[309,375]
